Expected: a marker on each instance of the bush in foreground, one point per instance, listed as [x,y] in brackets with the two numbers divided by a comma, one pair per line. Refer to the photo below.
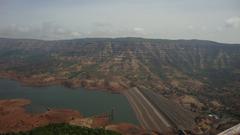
[65,129]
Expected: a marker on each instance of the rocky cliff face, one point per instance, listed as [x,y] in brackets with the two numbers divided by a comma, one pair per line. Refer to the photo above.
[195,73]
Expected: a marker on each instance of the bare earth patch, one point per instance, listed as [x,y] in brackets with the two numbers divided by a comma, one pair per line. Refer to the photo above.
[14,118]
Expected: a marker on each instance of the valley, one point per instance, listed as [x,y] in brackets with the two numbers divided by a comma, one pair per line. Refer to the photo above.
[201,77]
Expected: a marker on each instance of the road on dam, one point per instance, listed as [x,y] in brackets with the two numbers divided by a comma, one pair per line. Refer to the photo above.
[157,113]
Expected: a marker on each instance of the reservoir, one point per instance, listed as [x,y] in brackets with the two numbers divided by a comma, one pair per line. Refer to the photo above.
[87,102]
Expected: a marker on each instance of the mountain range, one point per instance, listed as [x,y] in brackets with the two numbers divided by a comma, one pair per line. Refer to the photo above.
[202,76]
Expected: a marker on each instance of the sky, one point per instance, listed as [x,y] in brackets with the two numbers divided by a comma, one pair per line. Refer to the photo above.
[216,20]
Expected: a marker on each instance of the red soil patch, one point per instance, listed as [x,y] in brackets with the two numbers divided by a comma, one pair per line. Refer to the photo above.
[14,118]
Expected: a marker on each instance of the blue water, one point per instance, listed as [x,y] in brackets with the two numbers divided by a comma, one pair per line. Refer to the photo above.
[88,102]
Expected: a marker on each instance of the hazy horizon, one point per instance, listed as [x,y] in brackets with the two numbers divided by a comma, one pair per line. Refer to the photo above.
[216,20]
[116,38]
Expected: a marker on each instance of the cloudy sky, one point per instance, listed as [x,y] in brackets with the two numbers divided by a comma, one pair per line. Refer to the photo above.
[217,20]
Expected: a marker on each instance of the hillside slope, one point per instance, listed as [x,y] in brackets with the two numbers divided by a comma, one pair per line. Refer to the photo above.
[203,76]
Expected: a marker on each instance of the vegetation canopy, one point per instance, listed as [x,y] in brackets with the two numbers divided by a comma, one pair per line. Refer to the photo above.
[64,129]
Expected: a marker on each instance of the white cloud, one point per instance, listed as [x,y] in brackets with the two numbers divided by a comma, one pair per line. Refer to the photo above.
[76,34]
[47,30]
[60,30]
[139,30]
[233,22]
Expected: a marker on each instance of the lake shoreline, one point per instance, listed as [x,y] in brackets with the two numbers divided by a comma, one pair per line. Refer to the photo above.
[89,102]
[25,121]
[91,84]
